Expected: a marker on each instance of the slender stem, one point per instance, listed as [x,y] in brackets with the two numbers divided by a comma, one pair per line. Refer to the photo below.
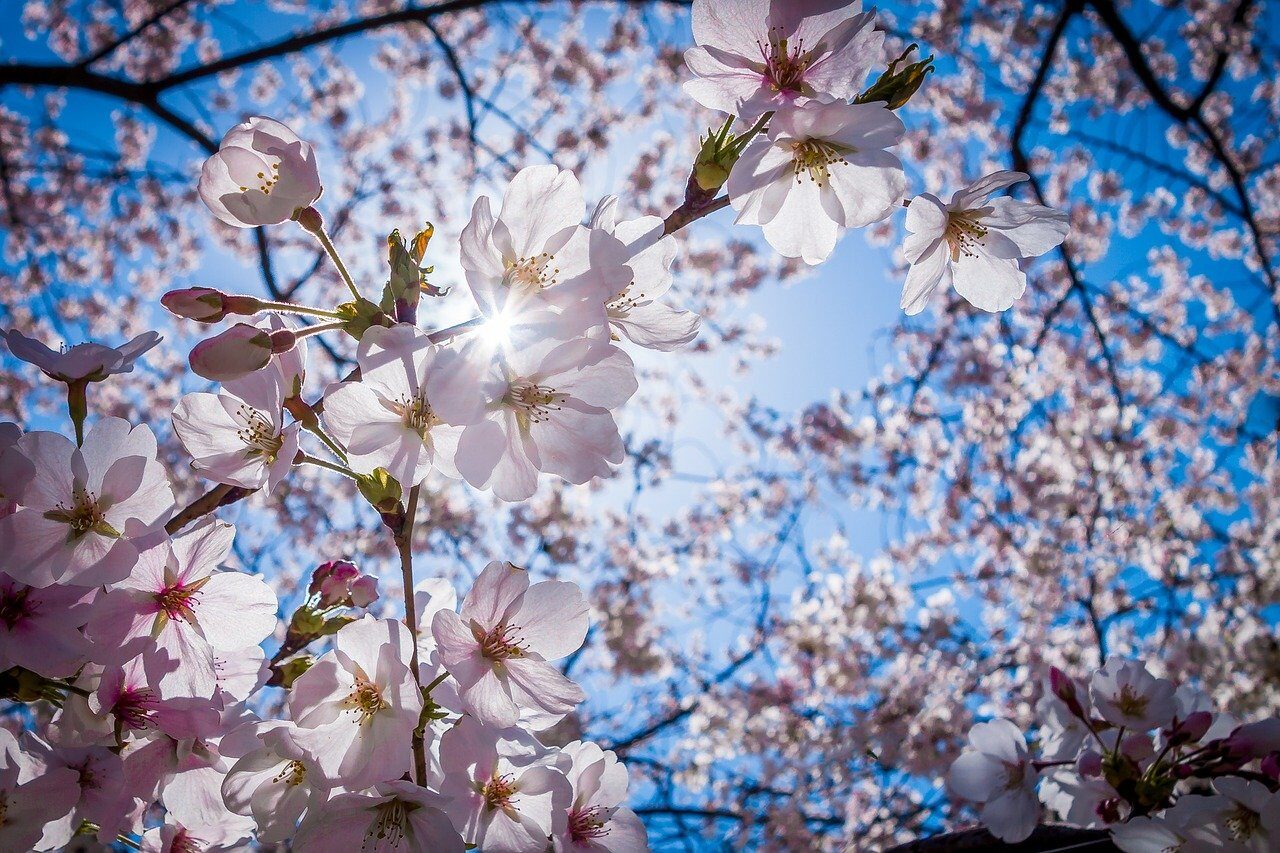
[334,447]
[78,406]
[404,544]
[332,252]
[290,308]
[321,327]
[312,460]
[441,335]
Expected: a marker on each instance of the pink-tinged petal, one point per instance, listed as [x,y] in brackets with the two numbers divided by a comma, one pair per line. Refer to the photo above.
[553,619]
[347,405]
[51,482]
[540,209]
[803,229]
[926,224]
[478,253]
[538,685]
[489,700]
[722,81]
[730,26]
[578,443]
[999,738]
[394,360]
[974,776]
[972,195]
[657,326]
[202,549]
[122,620]
[760,181]
[494,593]
[193,675]
[236,610]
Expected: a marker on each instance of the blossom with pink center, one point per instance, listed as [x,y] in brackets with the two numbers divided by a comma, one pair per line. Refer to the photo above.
[506,792]
[130,698]
[995,772]
[274,784]
[1125,694]
[361,705]
[753,56]
[338,583]
[30,795]
[40,627]
[239,438]
[1241,815]
[408,409]
[175,599]
[819,169]
[262,174]
[550,412]
[598,820]
[395,817]
[175,837]
[103,800]
[534,270]
[499,647]
[85,510]
[976,245]
[87,362]
[636,311]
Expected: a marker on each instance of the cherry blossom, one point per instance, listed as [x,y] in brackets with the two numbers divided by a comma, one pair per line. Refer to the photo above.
[598,819]
[1242,814]
[753,56]
[86,509]
[357,706]
[535,271]
[175,598]
[136,697]
[397,817]
[550,412]
[506,793]
[635,311]
[996,773]
[14,468]
[40,627]
[1125,694]
[239,438]
[262,174]
[500,646]
[819,169]
[976,245]
[30,796]
[88,362]
[103,802]
[406,412]
[275,784]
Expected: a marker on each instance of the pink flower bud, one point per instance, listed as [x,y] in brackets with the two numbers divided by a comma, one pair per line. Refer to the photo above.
[1089,763]
[202,304]
[236,352]
[1064,687]
[1191,729]
[283,340]
[364,591]
[332,581]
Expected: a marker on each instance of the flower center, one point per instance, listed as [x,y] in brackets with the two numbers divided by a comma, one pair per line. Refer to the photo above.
[499,791]
[1130,703]
[134,708]
[532,403]
[587,824]
[416,413]
[292,774]
[389,824]
[366,699]
[964,232]
[1015,774]
[13,606]
[1243,823]
[784,63]
[178,600]
[531,274]
[500,642]
[85,514]
[184,842]
[623,301]
[265,181]
[816,157]
[257,433]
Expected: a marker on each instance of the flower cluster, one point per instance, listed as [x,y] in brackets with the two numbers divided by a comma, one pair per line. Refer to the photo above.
[1151,761]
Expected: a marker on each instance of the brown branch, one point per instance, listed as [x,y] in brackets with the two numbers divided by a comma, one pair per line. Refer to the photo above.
[220,495]
[1044,839]
[124,38]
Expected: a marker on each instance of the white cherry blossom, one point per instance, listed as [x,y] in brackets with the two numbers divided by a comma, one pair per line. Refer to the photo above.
[995,772]
[262,174]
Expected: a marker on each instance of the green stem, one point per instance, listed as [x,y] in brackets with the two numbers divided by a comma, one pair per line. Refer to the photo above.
[404,544]
[312,460]
[334,447]
[332,251]
[128,842]
[290,308]
[320,327]
[78,406]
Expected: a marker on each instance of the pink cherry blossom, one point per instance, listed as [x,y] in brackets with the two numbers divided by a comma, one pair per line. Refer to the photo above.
[85,510]
[233,353]
[262,174]
[598,818]
[820,168]
[396,817]
[90,362]
[1125,694]
[995,772]
[360,704]
[176,599]
[753,56]
[103,800]
[635,311]
[15,469]
[30,795]
[239,438]
[406,412]
[976,245]
[136,697]
[550,413]
[506,793]
[40,627]
[500,647]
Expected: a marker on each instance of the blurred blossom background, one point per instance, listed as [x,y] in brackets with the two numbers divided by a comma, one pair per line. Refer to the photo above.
[840,535]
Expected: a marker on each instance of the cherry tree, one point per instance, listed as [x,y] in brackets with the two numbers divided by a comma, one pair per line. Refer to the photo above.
[1071,447]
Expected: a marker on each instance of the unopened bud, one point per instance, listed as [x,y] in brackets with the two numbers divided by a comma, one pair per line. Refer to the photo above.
[1191,729]
[1064,687]
[1089,763]
[381,490]
[896,87]
[338,583]
[1254,740]
[236,352]
[1270,766]
[310,219]
[202,304]
[283,340]
[364,591]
